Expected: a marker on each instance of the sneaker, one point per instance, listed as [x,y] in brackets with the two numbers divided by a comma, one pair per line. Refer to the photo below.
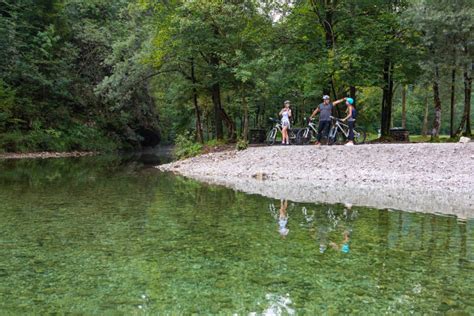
[317,143]
[350,144]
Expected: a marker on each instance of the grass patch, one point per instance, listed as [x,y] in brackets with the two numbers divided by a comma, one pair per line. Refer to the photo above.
[186,146]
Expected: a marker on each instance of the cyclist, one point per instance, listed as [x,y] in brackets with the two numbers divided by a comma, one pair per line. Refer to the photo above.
[350,118]
[285,114]
[325,109]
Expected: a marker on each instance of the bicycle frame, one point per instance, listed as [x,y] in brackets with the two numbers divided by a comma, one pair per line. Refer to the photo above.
[339,126]
[344,128]
[278,128]
[313,127]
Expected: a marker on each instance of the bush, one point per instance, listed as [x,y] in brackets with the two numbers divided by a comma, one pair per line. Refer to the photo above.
[242,144]
[186,146]
[215,143]
[77,137]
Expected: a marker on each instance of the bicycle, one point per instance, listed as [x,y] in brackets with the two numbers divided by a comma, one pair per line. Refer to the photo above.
[340,132]
[272,134]
[306,135]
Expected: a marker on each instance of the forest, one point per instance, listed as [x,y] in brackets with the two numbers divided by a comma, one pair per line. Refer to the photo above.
[127,74]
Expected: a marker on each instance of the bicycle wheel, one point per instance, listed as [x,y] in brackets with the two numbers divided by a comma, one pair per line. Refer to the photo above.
[304,136]
[359,135]
[340,138]
[335,137]
[292,137]
[332,136]
[271,136]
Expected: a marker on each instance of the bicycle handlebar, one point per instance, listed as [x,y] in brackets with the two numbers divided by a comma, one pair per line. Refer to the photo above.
[273,119]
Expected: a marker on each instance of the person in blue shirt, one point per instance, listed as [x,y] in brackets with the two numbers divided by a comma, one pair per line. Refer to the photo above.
[350,118]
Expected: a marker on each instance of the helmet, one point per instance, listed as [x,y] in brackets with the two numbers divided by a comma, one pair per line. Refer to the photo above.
[350,100]
[325,97]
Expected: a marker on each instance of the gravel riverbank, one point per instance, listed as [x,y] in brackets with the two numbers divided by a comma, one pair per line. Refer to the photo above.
[412,177]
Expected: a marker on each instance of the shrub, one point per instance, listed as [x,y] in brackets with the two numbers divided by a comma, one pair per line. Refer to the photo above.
[242,144]
[215,143]
[76,137]
[186,146]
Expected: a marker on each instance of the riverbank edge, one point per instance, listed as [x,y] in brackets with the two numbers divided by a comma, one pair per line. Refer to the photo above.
[443,196]
[47,154]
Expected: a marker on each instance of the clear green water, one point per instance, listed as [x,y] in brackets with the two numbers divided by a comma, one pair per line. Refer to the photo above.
[106,235]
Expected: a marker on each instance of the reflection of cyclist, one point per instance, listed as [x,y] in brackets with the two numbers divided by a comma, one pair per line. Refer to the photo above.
[336,222]
[345,243]
[283,219]
[285,114]
[325,110]
[351,117]
[323,238]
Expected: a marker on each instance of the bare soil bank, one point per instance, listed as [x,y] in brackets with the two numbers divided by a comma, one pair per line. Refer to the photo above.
[46,154]
[435,178]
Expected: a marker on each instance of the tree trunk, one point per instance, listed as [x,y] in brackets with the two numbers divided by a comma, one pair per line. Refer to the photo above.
[333,89]
[404,107]
[230,125]
[216,98]
[467,102]
[208,127]
[303,110]
[453,90]
[245,132]
[387,98]
[216,101]
[466,116]
[437,106]
[326,20]
[199,135]
[424,129]
[352,94]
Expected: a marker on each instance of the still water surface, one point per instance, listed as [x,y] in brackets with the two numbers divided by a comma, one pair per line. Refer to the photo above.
[112,235]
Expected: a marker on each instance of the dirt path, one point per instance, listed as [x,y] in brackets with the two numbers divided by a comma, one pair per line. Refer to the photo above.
[414,177]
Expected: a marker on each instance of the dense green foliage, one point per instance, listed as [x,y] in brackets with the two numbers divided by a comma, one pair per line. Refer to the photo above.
[234,63]
[62,62]
[186,147]
[102,74]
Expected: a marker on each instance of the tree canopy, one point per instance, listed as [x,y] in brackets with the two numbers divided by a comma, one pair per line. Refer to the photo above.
[98,75]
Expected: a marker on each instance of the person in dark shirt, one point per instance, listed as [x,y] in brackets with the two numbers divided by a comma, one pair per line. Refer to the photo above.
[325,110]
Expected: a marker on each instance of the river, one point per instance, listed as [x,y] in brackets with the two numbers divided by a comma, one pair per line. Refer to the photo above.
[111,234]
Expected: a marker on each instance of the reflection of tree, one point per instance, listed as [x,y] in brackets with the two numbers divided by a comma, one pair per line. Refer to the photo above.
[121,238]
[73,225]
[463,246]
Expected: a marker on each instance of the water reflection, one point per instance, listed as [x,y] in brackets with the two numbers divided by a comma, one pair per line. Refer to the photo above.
[330,227]
[278,305]
[99,236]
[283,219]
[281,216]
